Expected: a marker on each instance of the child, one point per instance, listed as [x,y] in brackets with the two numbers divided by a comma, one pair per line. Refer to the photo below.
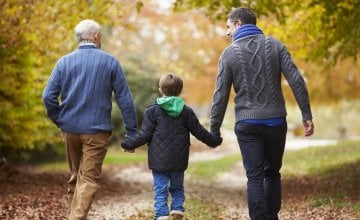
[166,128]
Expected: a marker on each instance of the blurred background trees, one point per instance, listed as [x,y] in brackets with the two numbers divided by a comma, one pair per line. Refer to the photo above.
[152,37]
[323,37]
[33,35]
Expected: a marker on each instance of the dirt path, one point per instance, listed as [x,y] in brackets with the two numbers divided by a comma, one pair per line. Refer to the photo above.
[127,191]
[137,195]
[228,190]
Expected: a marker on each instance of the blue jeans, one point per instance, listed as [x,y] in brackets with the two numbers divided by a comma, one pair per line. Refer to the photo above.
[163,184]
[262,148]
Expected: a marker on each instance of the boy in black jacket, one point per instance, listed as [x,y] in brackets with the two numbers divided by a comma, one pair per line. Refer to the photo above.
[166,128]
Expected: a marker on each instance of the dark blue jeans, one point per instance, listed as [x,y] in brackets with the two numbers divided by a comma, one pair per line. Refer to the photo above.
[262,149]
[163,184]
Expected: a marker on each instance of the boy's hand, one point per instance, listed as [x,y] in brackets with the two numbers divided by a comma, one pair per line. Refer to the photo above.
[124,144]
[216,141]
[219,140]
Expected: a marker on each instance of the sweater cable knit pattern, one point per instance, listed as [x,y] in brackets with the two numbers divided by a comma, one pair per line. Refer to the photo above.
[253,66]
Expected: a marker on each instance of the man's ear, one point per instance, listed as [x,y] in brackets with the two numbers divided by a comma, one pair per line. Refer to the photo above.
[97,36]
[238,23]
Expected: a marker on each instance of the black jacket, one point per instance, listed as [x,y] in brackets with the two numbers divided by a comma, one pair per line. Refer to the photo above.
[169,138]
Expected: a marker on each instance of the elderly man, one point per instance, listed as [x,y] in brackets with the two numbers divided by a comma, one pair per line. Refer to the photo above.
[85,80]
[253,64]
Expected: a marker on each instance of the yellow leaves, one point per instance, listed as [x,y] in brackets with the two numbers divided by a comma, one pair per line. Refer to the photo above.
[349,4]
[33,35]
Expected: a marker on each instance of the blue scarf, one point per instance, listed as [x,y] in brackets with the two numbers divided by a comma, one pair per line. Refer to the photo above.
[246,30]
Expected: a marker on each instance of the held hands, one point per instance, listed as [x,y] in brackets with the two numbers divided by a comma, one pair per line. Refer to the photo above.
[308,128]
[217,140]
[124,144]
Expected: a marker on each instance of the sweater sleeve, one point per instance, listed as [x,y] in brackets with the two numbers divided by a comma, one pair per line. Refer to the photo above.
[124,100]
[220,98]
[51,93]
[296,82]
[201,133]
[145,134]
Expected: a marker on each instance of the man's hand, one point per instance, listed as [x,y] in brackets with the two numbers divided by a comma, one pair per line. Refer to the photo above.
[308,128]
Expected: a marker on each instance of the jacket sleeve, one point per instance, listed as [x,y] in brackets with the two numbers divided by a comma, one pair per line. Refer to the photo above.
[296,82]
[145,134]
[220,98]
[201,133]
[51,93]
[124,100]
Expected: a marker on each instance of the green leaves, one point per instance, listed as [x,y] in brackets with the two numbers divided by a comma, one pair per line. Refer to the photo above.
[33,35]
[337,34]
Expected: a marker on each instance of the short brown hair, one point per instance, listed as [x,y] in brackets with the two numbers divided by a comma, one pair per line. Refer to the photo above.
[245,15]
[170,84]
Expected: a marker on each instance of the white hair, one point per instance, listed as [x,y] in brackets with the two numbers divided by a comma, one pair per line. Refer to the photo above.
[86,29]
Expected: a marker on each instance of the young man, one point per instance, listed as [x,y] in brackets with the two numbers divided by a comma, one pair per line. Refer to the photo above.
[85,80]
[253,65]
[166,128]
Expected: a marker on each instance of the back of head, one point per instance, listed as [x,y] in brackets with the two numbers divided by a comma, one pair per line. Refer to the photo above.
[86,29]
[245,15]
[171,85]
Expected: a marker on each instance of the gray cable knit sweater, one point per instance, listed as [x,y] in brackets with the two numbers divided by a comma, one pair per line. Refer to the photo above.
[253,66]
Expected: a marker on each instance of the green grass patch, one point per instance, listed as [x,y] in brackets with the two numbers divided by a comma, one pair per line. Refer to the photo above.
[60,166]
[117,155]
[331,174]
[114,156]
[195,209]
[211,168]
[199,209]
[320,160]
[335,202]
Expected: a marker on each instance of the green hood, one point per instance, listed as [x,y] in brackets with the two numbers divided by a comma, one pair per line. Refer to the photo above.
[173,105]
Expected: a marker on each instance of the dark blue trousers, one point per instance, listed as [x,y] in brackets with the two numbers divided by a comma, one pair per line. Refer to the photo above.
[262,148]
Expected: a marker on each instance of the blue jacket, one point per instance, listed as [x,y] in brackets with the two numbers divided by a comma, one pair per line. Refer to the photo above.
[85,80]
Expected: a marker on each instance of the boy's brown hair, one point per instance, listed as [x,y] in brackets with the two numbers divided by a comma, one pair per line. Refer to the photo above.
[170,84]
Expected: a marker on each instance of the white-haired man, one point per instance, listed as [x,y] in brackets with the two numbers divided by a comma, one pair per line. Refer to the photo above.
[85,80]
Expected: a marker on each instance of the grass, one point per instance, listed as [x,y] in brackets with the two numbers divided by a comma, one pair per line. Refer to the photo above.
[320,160]
[209,170]
[313,160]
[114,156]
[195,209]
[53,167]
[118,156]
[199,209]
[334,202]
[331,172]
[327,163]
[309,161]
